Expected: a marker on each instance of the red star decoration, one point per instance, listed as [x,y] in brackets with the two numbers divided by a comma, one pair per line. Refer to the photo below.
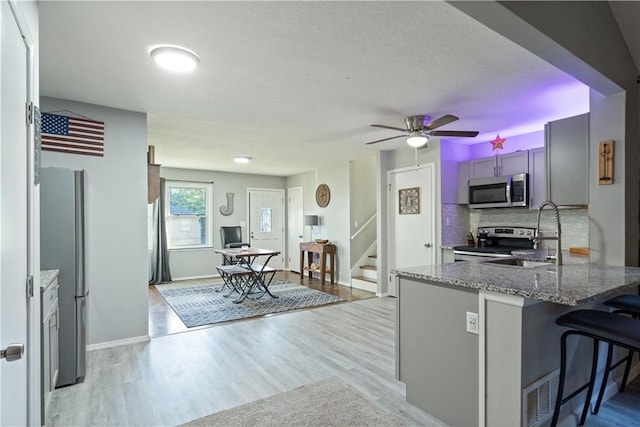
[497,143]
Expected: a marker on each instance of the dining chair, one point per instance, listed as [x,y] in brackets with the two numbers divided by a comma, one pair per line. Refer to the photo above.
[231,237]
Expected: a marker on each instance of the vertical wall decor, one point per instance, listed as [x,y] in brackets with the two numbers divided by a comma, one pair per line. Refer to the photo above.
[227,210]
[605,163]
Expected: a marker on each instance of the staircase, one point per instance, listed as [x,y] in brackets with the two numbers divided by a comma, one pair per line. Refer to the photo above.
[367,280]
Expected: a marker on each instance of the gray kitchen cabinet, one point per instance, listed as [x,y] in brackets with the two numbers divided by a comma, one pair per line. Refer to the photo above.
[567,160]
[503,164]
[482,168]
[537,177]
[462,197]
[49,341]
[447,255]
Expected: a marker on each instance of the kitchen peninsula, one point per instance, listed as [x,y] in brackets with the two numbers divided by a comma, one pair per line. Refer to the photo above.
[505,374]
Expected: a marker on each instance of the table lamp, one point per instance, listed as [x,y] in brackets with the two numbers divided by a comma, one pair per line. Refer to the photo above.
[311,220]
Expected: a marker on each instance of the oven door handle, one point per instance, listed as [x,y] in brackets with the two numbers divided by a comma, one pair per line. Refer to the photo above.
[482,254]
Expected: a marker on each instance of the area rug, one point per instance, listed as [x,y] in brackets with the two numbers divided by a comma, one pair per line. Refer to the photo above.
[199,304]
[329,402]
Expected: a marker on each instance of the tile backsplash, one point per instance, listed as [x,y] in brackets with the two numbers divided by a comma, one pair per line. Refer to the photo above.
[461,219]
[455,224]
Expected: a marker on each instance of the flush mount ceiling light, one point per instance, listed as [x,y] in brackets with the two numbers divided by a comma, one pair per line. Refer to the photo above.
[241,159]
[417,139]
[174,58]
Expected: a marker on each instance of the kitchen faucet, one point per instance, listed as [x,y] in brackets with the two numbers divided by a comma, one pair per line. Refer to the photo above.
[557,237]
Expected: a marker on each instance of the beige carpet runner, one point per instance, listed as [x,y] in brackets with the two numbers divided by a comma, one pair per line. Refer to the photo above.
[329,402]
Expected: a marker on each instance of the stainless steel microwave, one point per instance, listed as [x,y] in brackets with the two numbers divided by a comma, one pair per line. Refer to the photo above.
[499,191]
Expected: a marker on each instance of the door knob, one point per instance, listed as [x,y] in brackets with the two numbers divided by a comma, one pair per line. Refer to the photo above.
[12,352]
[300,237]
[427,245]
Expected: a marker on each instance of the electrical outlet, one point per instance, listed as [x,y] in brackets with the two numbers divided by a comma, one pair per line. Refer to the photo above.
[472,323]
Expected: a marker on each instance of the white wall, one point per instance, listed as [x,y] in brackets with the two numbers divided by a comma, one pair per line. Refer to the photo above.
[116,221]
[191,263]
[334,219]
[362,188]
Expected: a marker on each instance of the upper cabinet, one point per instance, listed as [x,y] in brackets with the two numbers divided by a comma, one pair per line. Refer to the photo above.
[537,177]
[503,164]
[567,160]
[463,183]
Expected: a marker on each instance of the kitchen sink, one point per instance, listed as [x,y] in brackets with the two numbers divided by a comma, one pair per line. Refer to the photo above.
[518,262]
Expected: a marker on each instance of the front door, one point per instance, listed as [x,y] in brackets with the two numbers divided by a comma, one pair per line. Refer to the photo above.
[412,209]
[17,214]
[295,226]
[266,222]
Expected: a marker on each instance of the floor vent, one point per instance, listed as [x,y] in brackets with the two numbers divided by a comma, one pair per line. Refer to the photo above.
[538,399]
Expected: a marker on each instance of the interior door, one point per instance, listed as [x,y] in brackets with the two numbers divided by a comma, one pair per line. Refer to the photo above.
[15,201]
[295,226]
[411,228]
[266,222]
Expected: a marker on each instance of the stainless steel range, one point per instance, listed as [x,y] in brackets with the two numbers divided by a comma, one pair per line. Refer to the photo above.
[495,242]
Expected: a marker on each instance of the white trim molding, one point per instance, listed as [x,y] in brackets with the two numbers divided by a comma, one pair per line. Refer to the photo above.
[118,343]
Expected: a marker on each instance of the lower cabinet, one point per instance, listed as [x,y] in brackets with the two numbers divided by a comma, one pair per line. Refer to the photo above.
[49,343]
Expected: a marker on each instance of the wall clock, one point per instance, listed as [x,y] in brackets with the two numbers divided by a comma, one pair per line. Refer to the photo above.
[323,195]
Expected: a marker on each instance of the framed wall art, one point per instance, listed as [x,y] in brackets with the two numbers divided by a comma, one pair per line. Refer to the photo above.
[409,200]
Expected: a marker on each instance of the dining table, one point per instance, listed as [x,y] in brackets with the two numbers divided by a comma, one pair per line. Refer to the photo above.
[242,273]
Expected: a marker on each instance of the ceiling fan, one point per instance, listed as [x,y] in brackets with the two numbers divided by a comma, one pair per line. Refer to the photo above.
[419,128]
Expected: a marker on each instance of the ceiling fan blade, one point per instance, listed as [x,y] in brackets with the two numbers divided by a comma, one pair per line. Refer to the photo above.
[389,127]
[458,133]
[387,139]
[444,120]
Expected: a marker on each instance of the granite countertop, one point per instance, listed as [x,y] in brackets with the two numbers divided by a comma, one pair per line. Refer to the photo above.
[572,284]
[46,277]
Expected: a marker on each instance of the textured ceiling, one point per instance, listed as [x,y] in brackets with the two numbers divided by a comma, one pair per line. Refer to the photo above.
[295,85]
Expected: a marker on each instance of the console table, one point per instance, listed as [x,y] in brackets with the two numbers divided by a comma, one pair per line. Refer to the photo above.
[323,250]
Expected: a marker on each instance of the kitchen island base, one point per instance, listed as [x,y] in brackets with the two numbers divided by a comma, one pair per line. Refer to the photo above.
[505,375]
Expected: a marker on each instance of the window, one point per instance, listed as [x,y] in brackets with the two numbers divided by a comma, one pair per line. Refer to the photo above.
[265,220]
[188,214]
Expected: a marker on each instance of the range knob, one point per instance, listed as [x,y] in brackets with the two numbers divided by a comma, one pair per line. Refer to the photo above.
[521,232]
[529,233]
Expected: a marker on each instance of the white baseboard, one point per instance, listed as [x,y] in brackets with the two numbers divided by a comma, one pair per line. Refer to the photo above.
[118,343]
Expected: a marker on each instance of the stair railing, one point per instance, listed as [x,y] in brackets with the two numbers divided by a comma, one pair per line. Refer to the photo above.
[369,221]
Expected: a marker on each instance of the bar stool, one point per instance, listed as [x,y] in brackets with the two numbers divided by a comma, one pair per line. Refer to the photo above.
[598,325]
[624,304]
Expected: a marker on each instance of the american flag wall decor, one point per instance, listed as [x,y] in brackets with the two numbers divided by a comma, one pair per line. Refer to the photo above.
[72,135]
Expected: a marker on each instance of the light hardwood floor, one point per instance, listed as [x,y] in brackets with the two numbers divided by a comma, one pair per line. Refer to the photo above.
[180,377]
[175,378]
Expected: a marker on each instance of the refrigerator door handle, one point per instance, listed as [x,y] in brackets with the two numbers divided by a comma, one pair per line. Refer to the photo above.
[81,337]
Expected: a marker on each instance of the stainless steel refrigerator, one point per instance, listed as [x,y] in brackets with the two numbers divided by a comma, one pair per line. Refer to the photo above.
[62,247]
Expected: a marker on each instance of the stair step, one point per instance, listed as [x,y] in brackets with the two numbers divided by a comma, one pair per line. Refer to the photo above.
[365,279]
[369,267]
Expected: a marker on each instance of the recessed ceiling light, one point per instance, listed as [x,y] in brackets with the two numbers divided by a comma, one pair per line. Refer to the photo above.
[174,58]
[241,159]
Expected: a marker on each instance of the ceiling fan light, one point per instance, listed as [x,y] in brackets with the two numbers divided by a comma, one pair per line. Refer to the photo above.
[416,139]
[174,58]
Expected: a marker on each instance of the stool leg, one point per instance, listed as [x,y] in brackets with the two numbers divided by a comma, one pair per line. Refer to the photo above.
[605,377]
[592,380]
[627,367]
[563,360]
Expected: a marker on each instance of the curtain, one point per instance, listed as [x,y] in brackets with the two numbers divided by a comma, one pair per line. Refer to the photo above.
[160,254]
